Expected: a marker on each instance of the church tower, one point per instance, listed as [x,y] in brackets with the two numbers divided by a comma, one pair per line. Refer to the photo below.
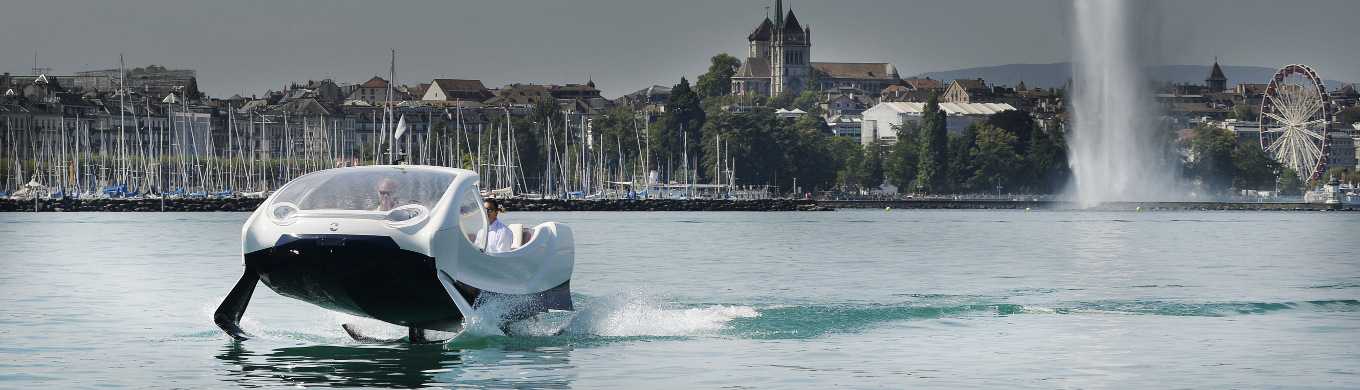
[790,54]
[1216,81]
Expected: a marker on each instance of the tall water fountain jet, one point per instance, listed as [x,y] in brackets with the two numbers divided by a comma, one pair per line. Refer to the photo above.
[1116,152]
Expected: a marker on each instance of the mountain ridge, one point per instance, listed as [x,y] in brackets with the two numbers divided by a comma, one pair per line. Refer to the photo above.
[1057,74]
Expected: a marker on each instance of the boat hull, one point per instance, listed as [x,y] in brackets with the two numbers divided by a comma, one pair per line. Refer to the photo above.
[372,276]
[368,276]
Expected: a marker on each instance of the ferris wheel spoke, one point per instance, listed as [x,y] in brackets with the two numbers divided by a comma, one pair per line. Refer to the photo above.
[1277,118]
[1310,108]
[1315,149]
[1312,134]
[1276,146]
[1278,105]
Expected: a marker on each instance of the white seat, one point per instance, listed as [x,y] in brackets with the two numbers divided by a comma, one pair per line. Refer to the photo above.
[520,235]
[517,234]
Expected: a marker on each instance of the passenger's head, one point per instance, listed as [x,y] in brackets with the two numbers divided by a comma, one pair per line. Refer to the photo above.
[387,194]
[493,209]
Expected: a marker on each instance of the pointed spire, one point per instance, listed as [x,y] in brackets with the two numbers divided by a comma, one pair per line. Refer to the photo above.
[1217,73]
[779,13]
[762,32]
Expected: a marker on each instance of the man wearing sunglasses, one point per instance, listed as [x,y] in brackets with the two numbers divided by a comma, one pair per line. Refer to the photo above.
[387,194]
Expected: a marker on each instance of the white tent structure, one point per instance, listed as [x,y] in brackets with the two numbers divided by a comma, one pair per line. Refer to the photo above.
[879,123]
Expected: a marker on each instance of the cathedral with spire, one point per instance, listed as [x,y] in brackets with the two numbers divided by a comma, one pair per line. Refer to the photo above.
[779,61]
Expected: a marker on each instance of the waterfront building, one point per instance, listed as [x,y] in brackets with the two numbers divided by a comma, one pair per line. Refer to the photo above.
[456,90]
[966,91]
[520,97]
[881,122]
[779,61]
[152,80]
[1216,82]
[843,102]
[575,91]
[865,76]
[911,90]
[1341,152]
[790,114]
[374,91]
[846,125]
[649,102]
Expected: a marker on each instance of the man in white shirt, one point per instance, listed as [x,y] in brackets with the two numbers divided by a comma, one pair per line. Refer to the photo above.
[387,194]
[498,237]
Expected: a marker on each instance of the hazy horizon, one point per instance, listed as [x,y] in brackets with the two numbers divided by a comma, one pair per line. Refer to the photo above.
[249,47]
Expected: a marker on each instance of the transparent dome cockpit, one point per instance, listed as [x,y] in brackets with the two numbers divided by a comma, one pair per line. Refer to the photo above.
[378,189]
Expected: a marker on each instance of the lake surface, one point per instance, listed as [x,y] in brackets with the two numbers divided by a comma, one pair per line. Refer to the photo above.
[852,298]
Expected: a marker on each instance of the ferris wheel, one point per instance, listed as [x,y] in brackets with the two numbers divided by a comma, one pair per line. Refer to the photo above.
[1294,119]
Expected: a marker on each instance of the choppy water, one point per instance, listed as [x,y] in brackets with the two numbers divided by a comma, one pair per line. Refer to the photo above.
[853,298]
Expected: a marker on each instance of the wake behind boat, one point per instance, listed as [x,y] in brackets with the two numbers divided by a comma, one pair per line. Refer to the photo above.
[400,244]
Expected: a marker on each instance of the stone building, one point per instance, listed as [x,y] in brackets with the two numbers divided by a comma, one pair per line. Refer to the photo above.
[779,61]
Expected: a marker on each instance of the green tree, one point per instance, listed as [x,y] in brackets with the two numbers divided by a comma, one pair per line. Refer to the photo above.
[852,173]
[1342,174]
[1211,151]
[902,157]
[960,159]
[1243,112]
[1016,122]
[1290,184]
[783,100]
[810,158]
[994,158]
[718,80]
[808,101]
[1252,167]
[683,121]
[1047,161]
[933,160]
[750,140]
[620,132]
[873,165]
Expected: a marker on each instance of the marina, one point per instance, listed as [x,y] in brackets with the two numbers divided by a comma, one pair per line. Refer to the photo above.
[519,194]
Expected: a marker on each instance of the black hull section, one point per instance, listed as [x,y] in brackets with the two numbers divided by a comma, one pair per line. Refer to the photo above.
[368,276]
[371,276]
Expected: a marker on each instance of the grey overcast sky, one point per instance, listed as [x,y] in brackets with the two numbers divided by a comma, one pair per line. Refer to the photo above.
[249,46]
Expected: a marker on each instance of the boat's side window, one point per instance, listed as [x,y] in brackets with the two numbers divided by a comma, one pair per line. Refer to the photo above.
[471,217]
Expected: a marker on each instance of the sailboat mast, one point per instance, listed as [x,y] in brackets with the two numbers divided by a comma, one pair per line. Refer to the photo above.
[391,95]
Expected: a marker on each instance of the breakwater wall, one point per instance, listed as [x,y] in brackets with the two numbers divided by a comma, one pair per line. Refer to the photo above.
[662,205]
[246,205]
[1065,205]
[125,205]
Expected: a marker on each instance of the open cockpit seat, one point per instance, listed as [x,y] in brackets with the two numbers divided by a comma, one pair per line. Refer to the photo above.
[521,235]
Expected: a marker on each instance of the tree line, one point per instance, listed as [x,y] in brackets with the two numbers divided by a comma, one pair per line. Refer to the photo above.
[1007,152]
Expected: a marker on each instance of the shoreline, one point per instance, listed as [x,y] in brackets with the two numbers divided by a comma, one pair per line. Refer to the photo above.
[943,204]
[247,205]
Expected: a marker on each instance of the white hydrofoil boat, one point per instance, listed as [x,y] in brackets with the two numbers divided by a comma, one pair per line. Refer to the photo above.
[401,244]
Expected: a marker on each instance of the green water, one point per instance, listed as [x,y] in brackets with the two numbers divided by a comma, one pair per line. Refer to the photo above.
[854,298]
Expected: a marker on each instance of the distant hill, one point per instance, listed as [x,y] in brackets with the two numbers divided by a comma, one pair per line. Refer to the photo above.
[1057,74]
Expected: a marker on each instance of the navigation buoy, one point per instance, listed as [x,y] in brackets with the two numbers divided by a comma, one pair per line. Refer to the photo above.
[887,208]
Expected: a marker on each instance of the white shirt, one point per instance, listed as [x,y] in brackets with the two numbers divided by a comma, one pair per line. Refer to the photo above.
[498,238]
